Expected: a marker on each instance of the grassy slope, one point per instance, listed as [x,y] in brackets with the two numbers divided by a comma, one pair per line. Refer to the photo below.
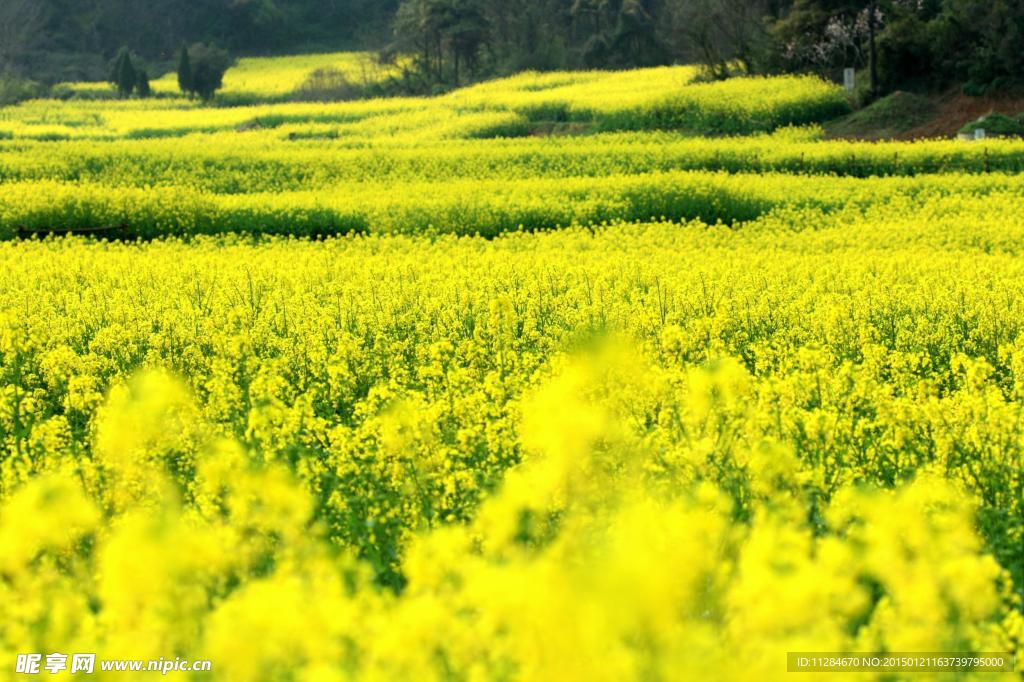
[907,116]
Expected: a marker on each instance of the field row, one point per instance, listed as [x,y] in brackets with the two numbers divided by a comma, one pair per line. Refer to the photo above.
[662,98]
[654,425]
[294,159]
[484,207]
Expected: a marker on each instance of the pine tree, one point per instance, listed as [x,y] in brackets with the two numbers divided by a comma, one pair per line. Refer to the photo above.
[185,80]
[126,76]
[122,73]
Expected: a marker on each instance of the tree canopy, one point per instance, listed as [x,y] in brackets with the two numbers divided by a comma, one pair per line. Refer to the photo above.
[900,43]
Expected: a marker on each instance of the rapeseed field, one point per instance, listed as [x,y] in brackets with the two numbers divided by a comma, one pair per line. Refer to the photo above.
[589,376]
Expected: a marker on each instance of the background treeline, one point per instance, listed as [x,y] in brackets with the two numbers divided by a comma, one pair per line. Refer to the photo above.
[903,43]
[55,40]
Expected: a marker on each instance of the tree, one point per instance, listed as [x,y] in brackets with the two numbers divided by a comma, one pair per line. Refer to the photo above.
[901,42]
[718,33]
[418,26]
[122,73]
[620,33]
[635,40]
[21,29]
[979,42]
[185,71]
[528,34]
[465,32]
[209,64]
[446,35]
[142,86]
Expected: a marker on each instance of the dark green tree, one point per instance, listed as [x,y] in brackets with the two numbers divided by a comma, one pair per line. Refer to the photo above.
[528,34]
[122,73]
[418,26]
[979,42]
[447,36]
[634,40]
[185,71]
[209,64]
[465,34]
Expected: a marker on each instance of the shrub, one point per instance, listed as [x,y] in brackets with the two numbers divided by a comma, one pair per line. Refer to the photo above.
[14,90]
[327,84]
[996,125]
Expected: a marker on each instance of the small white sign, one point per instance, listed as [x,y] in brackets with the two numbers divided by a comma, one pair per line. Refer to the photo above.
[849,79]
[979,133]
